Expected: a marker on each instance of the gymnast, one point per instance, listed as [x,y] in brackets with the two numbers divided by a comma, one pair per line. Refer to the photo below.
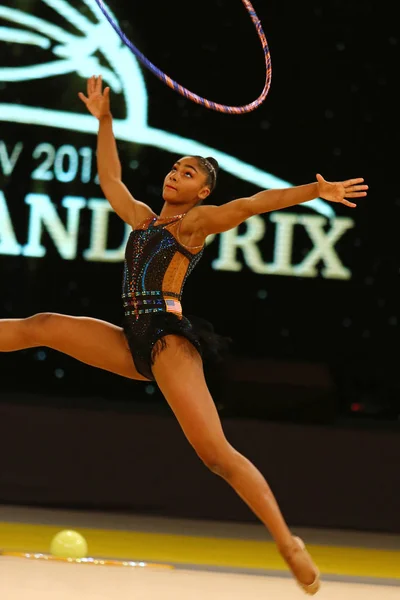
[157,342]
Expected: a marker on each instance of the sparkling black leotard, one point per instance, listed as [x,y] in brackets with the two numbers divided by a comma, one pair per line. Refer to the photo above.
[155,271]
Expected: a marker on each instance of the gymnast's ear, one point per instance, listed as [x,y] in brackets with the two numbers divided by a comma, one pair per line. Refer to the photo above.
[204,193]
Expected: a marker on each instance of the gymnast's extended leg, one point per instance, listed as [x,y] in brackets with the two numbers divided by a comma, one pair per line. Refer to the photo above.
[178,371]
[91,341]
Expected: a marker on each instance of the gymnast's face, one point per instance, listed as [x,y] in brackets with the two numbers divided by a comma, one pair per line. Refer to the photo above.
[186,183]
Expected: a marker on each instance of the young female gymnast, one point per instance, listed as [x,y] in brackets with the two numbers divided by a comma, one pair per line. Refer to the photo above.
[157,342]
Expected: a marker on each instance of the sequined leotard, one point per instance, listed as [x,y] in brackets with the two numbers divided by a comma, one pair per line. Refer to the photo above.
[155,271]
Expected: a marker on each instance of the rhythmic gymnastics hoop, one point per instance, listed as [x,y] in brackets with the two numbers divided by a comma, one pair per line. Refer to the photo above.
[223,108]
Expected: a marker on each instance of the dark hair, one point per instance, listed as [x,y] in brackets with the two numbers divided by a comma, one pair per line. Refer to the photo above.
[210,168]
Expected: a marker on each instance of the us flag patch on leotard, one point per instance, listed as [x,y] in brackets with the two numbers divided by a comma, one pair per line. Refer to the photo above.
[173,306]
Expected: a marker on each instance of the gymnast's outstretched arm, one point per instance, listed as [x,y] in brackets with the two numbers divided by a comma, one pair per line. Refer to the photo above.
[216,219]
[109,168]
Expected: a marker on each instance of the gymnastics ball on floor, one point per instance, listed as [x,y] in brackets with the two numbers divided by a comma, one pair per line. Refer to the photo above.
[69,544]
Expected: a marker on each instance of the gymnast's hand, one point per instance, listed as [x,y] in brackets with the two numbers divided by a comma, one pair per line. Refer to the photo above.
[97,102]
[341,190]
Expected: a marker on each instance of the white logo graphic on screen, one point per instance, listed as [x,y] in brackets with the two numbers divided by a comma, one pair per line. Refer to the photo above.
[72,53]
[76,54]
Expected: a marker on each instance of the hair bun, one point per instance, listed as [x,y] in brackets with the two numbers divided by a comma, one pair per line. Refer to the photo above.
[213,162]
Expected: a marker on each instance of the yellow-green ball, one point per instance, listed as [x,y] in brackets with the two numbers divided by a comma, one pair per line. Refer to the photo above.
[69,544]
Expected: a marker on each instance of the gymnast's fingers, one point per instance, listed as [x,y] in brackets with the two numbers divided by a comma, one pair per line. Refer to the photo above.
[90,86]
[355,194]
[83,98]
[349,204]
[99,84]
[353,181]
